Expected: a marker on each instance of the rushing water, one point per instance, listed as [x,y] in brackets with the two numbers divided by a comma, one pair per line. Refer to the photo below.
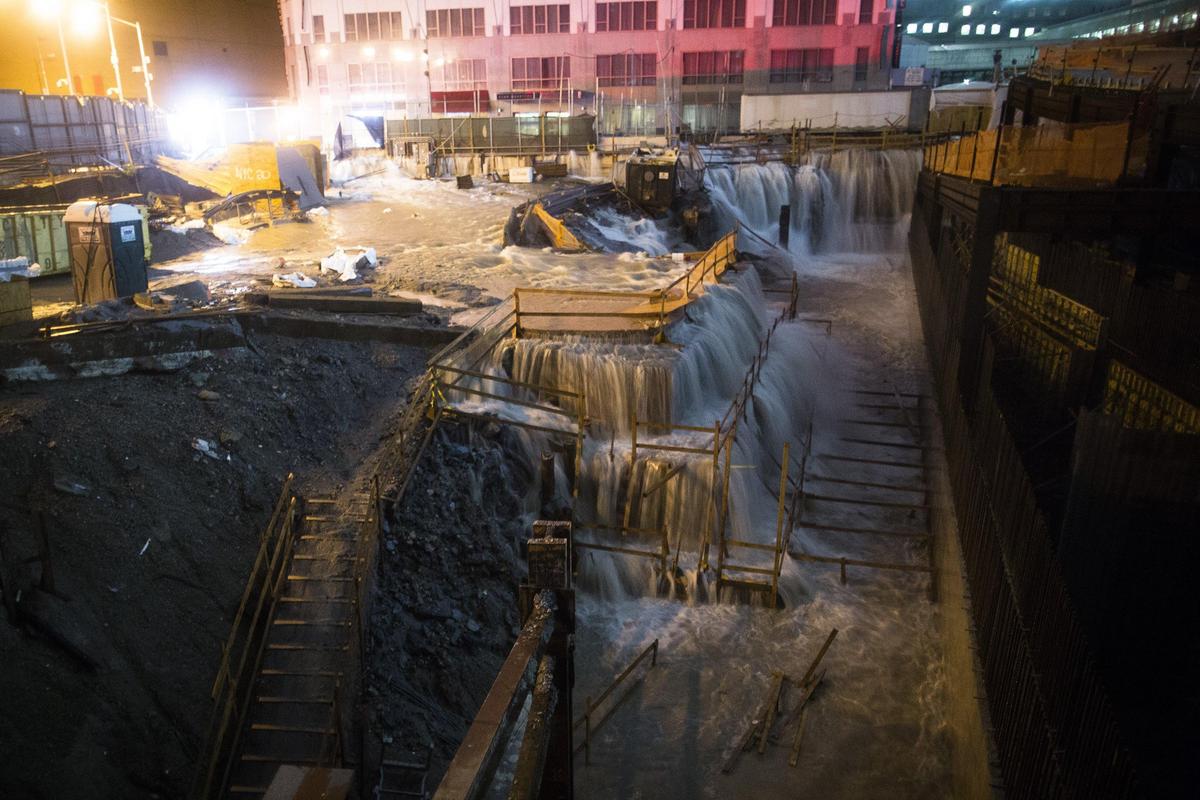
[853,201]
[878,727]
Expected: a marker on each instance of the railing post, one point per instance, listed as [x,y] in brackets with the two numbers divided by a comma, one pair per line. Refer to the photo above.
[778,563]
[517,312]
[587,730]
[996,154]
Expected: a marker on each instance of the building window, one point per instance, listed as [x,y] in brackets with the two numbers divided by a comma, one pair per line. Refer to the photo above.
[541,73]
[372,27]
[322,79]
[714,13]
[454,22]
[943,27]
[539,19]
[318,28]
[862,63]
[461,75]
[372,82]
[636,16]
[797,66]
[718,67]
[160,49]
[927,27]
[866,10]
[805,12]
[626,69]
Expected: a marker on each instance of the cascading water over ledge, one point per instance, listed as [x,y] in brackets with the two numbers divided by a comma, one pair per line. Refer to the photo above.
[850,201]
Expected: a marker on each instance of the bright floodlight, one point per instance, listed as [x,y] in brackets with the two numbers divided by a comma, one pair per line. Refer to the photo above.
[85,19]
[45,9]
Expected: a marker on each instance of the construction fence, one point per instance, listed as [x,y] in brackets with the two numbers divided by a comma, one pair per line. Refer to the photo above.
[44,135]
[1050,154]
[494,135]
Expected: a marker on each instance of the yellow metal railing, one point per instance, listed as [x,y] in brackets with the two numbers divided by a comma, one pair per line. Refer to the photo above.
[624,310]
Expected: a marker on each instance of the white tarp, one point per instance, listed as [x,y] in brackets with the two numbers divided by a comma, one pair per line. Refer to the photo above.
[347,261]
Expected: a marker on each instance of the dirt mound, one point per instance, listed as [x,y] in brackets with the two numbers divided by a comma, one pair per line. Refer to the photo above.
[167,244]
[152,536]
[445,613]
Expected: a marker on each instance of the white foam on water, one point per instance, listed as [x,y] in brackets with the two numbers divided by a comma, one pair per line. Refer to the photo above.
[852,201]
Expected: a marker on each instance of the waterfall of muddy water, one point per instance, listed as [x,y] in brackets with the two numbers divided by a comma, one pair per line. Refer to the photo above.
[853,201]
[616,231]
[877,725]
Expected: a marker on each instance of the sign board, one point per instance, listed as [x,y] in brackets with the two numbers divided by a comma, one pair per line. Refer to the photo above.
[519,97]
[914,76]
[128,233]
[89,234]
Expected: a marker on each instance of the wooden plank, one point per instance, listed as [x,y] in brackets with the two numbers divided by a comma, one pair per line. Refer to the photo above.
[772,710]
[316,300]
[756,723]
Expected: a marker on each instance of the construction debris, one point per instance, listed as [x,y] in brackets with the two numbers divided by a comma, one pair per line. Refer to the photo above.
[347,262]
[763,721]
[296,280]
[344,303]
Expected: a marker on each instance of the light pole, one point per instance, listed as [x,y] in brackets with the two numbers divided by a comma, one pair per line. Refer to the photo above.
[112,53]
[48,7]
[62,44]
[146,76]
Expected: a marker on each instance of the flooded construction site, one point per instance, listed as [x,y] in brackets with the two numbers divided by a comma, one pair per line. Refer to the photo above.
[728,406]
[797,463]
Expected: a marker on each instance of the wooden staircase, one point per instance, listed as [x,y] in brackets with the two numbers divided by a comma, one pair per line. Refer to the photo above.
[308,663]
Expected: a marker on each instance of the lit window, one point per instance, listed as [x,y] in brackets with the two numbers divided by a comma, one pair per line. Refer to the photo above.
[927,27]
[980,29]
[943,27]
[1029,31]
[966,30]
[912,27]
[1013,33]
[995,29]
[966,11]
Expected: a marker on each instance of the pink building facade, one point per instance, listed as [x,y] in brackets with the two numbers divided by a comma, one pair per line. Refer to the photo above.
[641,67]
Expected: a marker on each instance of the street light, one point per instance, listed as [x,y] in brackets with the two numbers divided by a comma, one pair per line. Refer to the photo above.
[146,76]
[52,8]
[85,21]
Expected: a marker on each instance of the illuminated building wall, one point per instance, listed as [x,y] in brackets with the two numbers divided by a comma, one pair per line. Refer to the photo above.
[221,48]
[640,66]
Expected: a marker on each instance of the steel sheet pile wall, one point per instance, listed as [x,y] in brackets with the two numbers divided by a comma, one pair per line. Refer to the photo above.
[1054,726]
[45,135]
